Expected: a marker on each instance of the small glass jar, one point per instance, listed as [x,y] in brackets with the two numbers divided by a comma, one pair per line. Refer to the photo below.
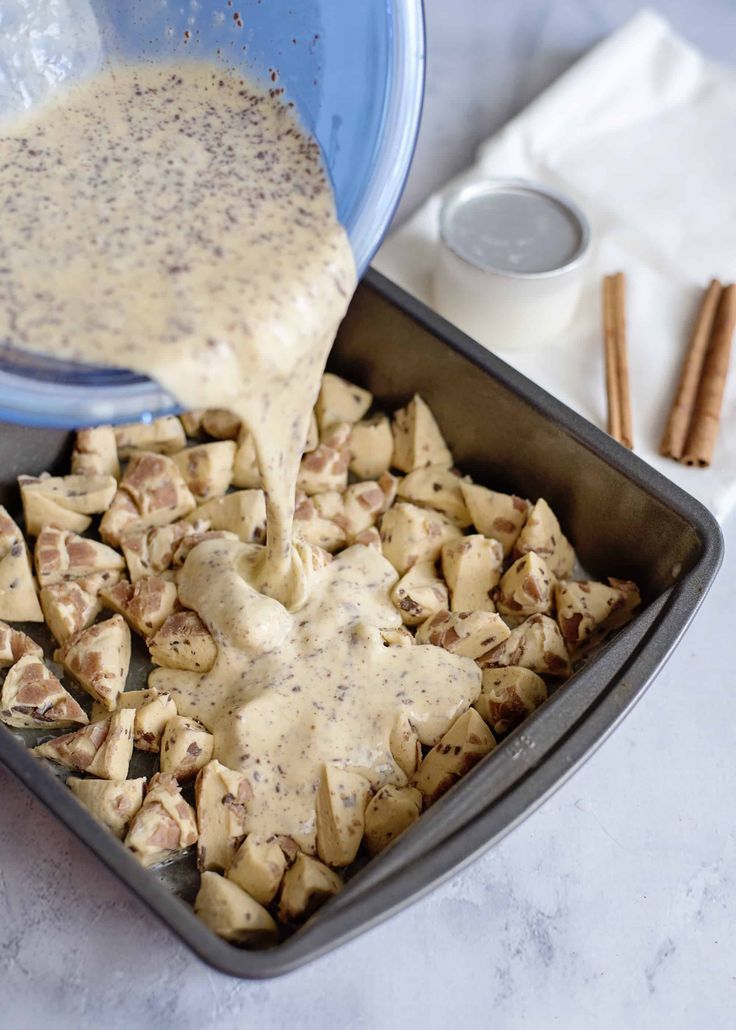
[509,265]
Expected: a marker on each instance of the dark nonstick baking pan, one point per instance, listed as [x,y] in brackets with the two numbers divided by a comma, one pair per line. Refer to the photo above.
[624,520]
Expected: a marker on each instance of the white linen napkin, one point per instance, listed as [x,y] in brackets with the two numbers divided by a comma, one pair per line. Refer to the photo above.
[640,132]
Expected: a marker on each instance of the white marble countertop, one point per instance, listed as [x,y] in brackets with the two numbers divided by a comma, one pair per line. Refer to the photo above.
[608,907]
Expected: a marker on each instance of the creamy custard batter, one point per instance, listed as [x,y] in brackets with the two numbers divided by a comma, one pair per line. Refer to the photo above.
[316,688]
[178,222]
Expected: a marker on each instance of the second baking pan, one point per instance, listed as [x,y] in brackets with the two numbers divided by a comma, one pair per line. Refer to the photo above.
[622,517]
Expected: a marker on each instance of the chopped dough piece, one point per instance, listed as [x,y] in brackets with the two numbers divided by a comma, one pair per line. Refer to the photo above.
[371,447]
[340,401]
[153,711]
[410,534]
[399,637]
[99,659]
[68,609]
[338,437]
[341,800]
[88,495]
[207,469]
[32,697]
[151,493]
[632,601]
[471,634]
[112,758]
[232,913]
[18,598]
[77,750]
[183,642]
[363,503]
[104,748]
[95,453]
[40,510]
[308,883]
[542,534]
[192,540]
[289,847]
[186,747]
[536,644]
[405,745]
[498,516]
[258,867]
[587,610]
[526,588]
[62,555]
[508,696]
[389,813]
[242,512]
[221,423]
[163,435]
[145,604]
[112,802]
[465,743]
[150,552]
[164,825]
[437,487]
[419,594]
[330,504]
[417,438]
[192,421]
[64,501]
[314,528]
[221,795]
[472,568]
[14,645]
[326,467]
[74,605]
[370,538]
[389,483]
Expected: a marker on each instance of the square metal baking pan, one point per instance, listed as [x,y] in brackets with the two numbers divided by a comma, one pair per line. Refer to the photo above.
[624,520]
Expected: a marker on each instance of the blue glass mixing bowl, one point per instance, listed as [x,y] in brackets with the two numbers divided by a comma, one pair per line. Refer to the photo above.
[354,69]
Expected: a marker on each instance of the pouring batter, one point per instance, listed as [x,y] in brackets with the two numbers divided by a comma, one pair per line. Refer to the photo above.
[178,222]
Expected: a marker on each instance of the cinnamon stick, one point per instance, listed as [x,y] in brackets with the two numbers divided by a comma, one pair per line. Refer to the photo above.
[622,359]
[703,433]
[613,396]
[617,365]
[681,413]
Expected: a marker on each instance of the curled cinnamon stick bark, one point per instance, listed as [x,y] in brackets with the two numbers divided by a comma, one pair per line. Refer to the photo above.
[622,359]
[678,423]
[609,341]
[703,433]
[617,365]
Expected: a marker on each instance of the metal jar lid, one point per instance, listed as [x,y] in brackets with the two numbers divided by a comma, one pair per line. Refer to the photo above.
[514,228]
